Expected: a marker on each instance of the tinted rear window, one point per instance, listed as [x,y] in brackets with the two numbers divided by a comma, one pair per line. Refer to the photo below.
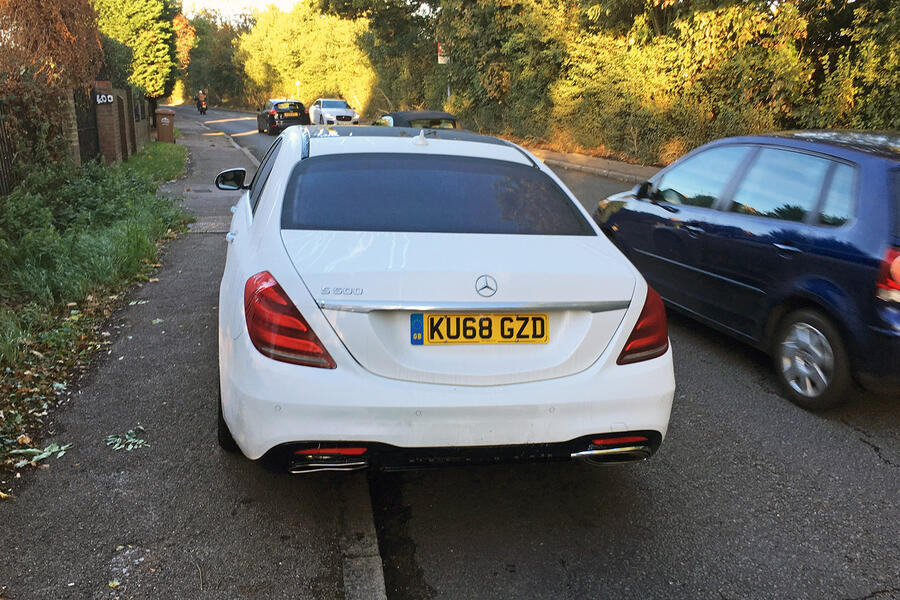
[441,194]
[433,123]
[289,105]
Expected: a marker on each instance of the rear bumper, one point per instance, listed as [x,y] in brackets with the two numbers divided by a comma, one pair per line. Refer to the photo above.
[879,360]
[267,404]
[305,457]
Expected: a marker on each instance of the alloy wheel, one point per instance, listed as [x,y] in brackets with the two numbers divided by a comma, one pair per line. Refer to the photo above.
[807,360]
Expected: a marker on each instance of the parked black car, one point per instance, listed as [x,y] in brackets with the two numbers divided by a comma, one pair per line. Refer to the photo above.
[425,119]
[280,113]
[790,242]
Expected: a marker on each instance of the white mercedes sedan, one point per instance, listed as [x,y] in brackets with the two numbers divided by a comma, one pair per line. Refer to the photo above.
[396,298]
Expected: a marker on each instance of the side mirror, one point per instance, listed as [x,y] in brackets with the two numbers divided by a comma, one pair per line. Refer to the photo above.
[641,191]
[232,179]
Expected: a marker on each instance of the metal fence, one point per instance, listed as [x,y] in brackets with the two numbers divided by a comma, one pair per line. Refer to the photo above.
[86,119]
[6,160]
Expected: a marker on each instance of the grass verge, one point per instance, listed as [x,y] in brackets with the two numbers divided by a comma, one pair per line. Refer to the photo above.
[72,239]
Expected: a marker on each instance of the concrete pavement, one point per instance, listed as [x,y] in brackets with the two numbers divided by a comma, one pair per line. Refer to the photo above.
[599,167]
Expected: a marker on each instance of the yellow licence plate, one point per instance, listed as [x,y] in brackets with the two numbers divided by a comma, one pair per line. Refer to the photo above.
[496,328]
[288,114]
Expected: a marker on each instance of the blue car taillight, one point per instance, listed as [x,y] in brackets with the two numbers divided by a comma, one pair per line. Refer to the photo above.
[887,287]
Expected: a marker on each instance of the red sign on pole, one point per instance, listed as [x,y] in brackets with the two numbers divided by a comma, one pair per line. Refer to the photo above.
[443,59]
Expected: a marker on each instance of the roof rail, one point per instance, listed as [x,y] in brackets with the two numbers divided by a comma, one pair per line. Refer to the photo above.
[522,152]
[304,143]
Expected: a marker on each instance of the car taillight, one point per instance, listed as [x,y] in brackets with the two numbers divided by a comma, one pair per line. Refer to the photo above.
[650,336]
[888,285]
[273,112]
[276,327]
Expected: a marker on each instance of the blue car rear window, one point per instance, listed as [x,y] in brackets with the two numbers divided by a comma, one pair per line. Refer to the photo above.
[431,193]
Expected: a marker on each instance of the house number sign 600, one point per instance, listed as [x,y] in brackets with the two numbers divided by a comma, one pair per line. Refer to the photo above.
[104,98]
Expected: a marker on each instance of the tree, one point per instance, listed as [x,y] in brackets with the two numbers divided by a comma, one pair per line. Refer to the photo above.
[53,43]
[185,38]
[213,66]
[46,49]
[117,58]
[146,27]
[319,51]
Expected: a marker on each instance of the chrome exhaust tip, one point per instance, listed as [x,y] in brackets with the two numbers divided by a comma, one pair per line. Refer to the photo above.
[298,468]
[613,456]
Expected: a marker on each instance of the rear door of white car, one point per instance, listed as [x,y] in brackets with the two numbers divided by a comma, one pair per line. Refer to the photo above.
[238,237]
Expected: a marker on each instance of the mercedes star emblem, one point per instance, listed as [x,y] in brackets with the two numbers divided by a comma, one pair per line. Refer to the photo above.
[486,286]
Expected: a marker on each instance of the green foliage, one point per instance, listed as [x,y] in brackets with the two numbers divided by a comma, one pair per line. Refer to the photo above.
[66,230]
[34,118]
[33,456]
[504,59]
[145,26]
[319,51]
[117,58]
[213,66]
[645,80]
[128,441]
[862,82]
[158,161]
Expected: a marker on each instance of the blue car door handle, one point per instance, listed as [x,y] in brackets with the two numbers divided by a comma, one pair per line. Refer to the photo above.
[694,231]
[786,249]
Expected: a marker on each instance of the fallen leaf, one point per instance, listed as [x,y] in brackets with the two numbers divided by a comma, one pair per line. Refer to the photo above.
[38,354]
[153,280]
[3,496]
[24,439]
[114,583]
[157,321]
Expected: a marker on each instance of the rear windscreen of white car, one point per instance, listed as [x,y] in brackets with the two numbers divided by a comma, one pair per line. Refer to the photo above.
[433,193]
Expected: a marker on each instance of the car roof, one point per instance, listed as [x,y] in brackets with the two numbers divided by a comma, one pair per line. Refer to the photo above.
[883,144]
[324,140]
[284,100]
[420,114]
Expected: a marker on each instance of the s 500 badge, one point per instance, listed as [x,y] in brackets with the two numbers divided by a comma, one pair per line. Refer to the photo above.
[341,291]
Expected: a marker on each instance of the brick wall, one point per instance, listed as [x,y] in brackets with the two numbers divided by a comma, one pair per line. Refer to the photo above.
[108,133]
[123,125]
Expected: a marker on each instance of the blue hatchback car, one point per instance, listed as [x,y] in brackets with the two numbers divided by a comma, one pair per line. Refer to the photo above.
[790,242]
